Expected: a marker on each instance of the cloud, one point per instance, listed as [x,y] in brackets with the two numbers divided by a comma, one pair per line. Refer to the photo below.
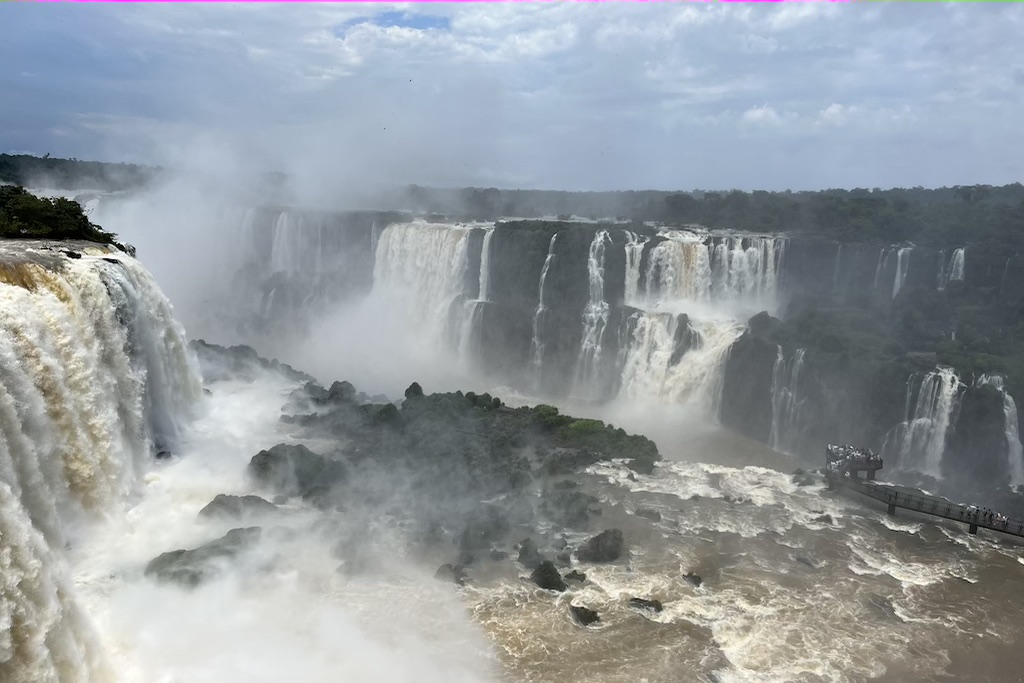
[559,95]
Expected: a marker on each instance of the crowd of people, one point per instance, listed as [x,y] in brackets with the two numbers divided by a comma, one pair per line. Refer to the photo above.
[840,458]
[986,516]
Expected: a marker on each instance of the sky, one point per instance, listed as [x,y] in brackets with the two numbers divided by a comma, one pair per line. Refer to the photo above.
[578,96]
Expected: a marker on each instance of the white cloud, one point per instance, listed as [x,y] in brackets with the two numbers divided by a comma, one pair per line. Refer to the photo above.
[528,92]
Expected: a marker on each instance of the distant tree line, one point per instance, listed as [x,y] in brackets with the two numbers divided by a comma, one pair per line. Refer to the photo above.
[975,214]
[28,170]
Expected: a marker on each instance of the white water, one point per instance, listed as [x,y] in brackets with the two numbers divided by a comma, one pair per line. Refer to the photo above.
[696,380]
[93,371]
[595,317]
[485,266]
[424,266]
[1014,449]
[953,271]
[536,345]
[920,441]
[902,263]
[634,253]
[786,401]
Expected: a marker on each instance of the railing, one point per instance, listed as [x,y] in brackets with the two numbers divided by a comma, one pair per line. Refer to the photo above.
[933,506]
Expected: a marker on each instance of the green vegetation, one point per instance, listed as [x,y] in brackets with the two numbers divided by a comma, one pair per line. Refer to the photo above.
[23,169]
[24,215]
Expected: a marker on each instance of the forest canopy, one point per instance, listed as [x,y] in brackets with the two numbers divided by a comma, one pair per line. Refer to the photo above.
[24,215]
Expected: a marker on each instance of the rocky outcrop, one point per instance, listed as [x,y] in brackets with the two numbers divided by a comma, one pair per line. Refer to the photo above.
[584,616]
[293,469]
[645,604]
[224,506]
[547,577]
[192,567]
[607,546]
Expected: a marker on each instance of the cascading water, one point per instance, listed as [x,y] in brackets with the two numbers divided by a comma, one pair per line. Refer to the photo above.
[634,254]
[485,266]
[595,317]
[654,369]
[786,401]
[902,263]
[424,266]
[919,442]
[94,373]
[536,345]
[952,271]
[1014,449]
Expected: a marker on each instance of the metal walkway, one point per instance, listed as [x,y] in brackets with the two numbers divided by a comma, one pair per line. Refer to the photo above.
[928,505]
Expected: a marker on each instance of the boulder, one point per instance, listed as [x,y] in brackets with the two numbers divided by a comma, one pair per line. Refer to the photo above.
[693,579]
[454,573]
[649,605]
[235,506]
[583,615]
[648,513]
[607,546]
[547,577]
[296,470]
[529,555]
[824,519]
[414,390]
[191,567]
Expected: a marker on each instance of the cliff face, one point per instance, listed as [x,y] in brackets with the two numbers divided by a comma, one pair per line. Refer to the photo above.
[630,312]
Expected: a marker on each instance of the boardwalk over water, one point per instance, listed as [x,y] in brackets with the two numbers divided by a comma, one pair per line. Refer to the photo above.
[899,497]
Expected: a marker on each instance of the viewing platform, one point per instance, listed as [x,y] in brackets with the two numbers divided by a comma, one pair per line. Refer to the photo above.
[845,463]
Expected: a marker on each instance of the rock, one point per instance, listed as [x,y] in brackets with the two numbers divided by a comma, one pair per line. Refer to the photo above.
[693,579]
[163,454]
[648,513]
[341,392]
[824,519]
[484,526]
[236,506]
[191,567]
[607,546]
[71,254]
[547,577]
[641,603]
[453,573]
[583,615]
[559,543]
[563,559]
[296,470]
[498,555]
[575,575]
[414,390]
[529,555]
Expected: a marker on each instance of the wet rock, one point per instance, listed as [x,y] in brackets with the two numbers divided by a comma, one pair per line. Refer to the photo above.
[583,615]
[341,392]
[192,567]
[693,579]
[296,470]
[498,555]
[414,390]
[649,513]
[607,546]
[529,555]
[71,254]
[163,454]
[575,575]
[649,605]
[547,577]
[563,559]
[453,573]
[803,478]
[824,519]
[235,506]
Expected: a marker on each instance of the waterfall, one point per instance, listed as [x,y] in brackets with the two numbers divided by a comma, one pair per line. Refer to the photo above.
[595,316]
[688,267]
[902,262]
[838,267]
[94,374]
[952,271]
[634,254]
[1014,449]
[536,345]
[485,266]
[648,370]
[424,266]
[920,441]
[786,401]
[883,259]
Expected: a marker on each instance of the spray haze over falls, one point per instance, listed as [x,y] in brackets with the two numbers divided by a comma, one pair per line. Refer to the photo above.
[626,314]
[599,316]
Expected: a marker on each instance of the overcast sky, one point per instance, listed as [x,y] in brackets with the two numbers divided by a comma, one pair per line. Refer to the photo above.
[561,96]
